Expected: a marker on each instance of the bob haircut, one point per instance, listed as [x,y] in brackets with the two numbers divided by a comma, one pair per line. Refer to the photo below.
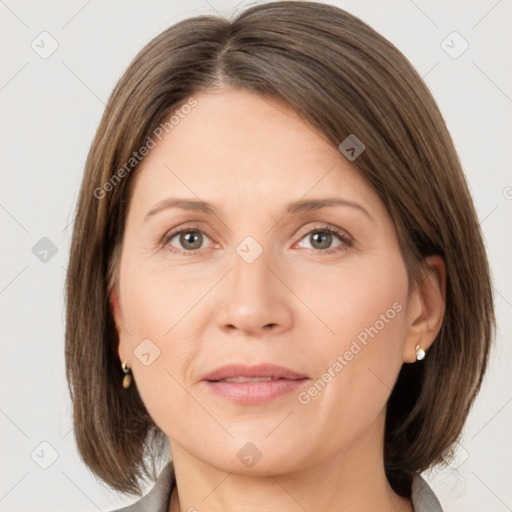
[343,78]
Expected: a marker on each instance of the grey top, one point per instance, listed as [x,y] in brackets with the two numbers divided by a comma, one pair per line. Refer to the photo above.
[158,498]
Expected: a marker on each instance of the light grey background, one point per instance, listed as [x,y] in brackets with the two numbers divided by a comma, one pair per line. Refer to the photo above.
[50,108]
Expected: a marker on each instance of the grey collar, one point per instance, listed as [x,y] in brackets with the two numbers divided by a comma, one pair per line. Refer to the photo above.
[423,497]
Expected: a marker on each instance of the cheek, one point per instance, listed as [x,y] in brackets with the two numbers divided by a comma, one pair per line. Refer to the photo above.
[359,361]
[362,300]
[159,313]
[157,301]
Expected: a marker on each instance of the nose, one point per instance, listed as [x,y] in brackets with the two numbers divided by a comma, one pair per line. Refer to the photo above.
[255,301]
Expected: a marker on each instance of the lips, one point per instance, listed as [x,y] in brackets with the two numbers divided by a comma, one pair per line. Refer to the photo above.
[253,385]
[264,372]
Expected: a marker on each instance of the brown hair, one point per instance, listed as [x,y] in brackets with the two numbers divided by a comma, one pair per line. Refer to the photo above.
[343,78]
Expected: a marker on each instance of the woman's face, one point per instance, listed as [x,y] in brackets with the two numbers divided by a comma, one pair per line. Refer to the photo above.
[257,279]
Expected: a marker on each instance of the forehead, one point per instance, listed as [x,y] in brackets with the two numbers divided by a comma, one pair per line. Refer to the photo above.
[234,142]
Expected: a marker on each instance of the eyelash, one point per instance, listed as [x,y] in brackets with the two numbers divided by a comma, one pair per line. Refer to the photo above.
[346,240]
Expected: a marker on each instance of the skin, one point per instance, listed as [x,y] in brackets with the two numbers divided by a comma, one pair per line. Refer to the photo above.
[294,306]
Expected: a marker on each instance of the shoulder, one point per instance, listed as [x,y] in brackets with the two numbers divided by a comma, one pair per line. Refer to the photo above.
[423,497]
[159,497]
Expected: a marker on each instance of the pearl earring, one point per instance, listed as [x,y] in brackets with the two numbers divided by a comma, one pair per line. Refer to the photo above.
[420,353]
[127,380]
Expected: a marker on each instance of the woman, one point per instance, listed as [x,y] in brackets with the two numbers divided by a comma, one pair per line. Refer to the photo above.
[272,274]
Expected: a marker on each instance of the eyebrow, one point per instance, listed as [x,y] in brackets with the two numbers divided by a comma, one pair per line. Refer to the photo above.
[303,205]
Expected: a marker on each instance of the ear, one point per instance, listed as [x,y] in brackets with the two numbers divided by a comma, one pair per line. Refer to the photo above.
[117,313]
[426,309]
[115,307]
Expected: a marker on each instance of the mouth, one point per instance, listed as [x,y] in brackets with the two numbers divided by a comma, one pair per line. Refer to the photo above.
[263,371]
[249,379]
[252,385]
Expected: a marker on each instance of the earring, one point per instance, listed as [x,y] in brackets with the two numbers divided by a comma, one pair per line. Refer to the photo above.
[127,380]
[420,353]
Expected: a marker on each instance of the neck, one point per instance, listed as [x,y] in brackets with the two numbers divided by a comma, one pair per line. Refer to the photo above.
[353,479]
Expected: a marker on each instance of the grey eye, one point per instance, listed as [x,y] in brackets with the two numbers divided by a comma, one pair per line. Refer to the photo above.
[190,240]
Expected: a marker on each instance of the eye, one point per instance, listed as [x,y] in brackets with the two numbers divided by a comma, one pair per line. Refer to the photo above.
[187,240]
[321,238]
